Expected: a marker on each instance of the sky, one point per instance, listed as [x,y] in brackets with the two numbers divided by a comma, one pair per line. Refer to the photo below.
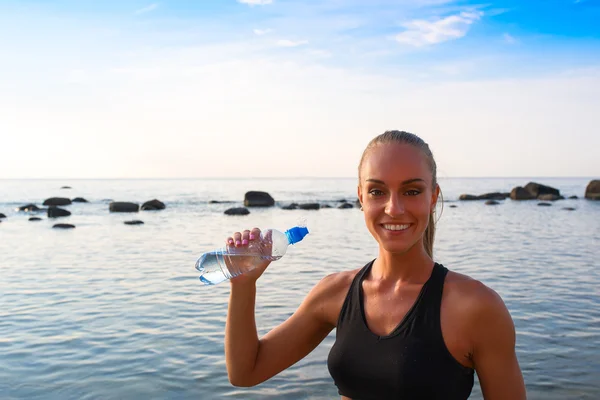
[296,88]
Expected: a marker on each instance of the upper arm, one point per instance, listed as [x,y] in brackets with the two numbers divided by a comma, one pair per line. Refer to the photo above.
[295,338]
[494,354]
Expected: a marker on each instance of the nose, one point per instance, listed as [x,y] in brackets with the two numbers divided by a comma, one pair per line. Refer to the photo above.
[394,206]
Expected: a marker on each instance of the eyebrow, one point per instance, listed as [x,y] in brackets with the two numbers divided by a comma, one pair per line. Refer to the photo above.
[406,182]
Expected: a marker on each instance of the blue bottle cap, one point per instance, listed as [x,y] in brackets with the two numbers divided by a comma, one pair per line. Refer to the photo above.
[296,234]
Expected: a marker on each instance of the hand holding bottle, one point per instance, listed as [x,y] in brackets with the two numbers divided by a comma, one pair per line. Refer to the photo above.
[247,252]
[251,240]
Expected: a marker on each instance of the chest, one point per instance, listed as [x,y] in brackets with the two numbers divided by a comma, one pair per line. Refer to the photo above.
[384,311]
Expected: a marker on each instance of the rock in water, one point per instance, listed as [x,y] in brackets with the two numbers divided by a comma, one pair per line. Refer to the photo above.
[237,211]
[29,207]
[63,226]
[550,197]
[520,193]
[55,212]
[57,201]
[79,200]
[592,191]
[134,222]
[153,205]
[537,189]
[309,206]
[258,199]
[35,219]
[2,216]
[123,206]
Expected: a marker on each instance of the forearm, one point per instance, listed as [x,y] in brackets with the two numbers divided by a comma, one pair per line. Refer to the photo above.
[241,338]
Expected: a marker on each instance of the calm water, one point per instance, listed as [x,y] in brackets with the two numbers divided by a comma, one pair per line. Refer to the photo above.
[110,311]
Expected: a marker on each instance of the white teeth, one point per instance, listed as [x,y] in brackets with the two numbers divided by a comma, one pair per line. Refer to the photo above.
[396,227]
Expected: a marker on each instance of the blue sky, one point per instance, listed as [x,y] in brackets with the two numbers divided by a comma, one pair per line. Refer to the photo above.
[151,89]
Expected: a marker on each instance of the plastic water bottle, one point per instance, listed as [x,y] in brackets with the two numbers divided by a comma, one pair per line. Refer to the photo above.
[223,264]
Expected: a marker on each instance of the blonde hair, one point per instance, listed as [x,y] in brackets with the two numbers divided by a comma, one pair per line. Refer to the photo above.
[403,137]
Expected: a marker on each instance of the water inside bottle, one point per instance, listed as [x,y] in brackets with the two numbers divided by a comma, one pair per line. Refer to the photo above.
[211,266]
[214,270]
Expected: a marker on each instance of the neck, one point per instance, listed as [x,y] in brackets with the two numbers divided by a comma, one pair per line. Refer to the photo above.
[413,265]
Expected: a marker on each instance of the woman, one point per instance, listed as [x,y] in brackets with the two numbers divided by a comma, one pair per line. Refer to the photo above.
[407,328]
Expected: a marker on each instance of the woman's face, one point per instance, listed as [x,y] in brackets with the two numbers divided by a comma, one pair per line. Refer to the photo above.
[396,194]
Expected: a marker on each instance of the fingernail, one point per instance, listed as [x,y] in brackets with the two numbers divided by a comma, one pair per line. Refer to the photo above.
[251,236]
[245,241]
[237,242]
[230,241]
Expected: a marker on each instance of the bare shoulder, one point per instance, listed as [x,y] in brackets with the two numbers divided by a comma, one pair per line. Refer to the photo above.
[478,306]
[471,292]
[329,293]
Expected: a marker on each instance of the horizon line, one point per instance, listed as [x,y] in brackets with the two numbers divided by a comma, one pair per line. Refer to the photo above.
[290,177]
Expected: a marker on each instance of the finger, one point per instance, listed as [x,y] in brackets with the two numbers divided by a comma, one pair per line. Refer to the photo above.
[237,237]
[254,234]
[245,237]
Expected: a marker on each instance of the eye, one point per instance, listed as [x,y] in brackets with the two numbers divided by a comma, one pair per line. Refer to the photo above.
[375,192]
[413,192]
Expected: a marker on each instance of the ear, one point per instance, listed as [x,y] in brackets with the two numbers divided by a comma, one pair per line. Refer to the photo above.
[360,195]
[434,197]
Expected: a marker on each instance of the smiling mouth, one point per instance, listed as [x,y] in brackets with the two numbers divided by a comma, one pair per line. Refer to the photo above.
[396,227]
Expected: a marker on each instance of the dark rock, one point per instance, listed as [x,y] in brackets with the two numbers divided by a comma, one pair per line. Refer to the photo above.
[592,191]
[342,201]
[550,197]
[344,205]
[452,206]
[491,202]
[328,206]
[493,196]
[79,200]
[573,197]
[66,187]
[29,207]
[537,189]
[544,204]
[134,222]
[520,193]
[35,219]
[214,202]
[237,211]
[55,212]
[123,206]
[309,206]
[153,205]
[258,199]
[63,226]
[292,206]
[57,201]
[2,216]
[569,208]
[467,197]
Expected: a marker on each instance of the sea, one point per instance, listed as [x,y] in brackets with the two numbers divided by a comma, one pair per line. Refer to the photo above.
[115,311]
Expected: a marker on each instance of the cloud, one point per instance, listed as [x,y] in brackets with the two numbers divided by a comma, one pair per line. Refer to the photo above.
[510,39]
[146,9]
[291,43]
[420,32]
[261,32]
[256,2]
